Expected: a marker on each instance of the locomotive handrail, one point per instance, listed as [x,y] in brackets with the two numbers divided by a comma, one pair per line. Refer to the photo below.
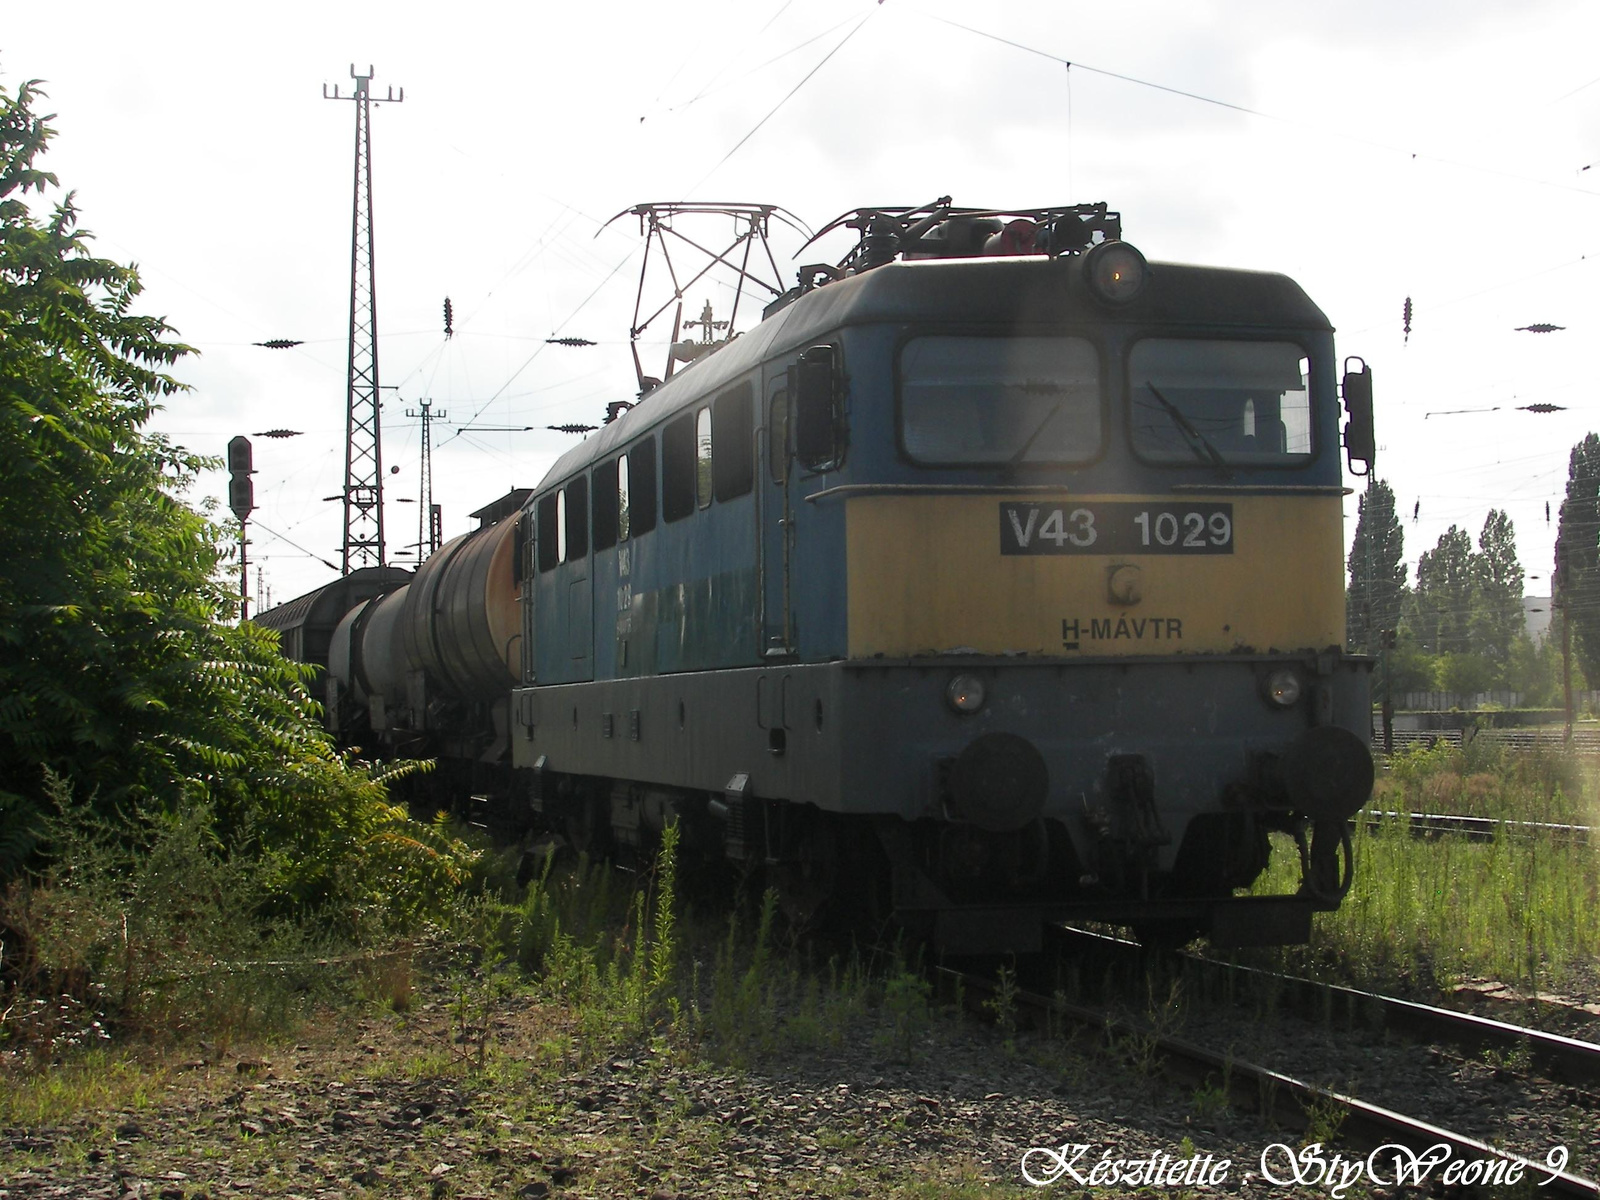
[1304,489]
[1012,489]
[921,489]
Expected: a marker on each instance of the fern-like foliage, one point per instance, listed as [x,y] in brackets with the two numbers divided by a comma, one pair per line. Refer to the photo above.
[121,675]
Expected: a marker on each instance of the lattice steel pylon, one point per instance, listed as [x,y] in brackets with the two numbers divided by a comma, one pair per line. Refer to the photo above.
[428,514]
[363,447]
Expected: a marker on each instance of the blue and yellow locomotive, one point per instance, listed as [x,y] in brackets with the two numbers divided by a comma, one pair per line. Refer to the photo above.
[994,578]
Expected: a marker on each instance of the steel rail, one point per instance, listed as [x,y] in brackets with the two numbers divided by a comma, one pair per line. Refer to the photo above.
[1559,1058]
[1260,1088]
[1477,829]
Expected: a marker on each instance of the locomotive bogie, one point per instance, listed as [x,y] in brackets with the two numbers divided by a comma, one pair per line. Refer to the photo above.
[1093,784]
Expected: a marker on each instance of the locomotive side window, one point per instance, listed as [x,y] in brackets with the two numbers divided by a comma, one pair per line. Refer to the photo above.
[732,444]
[678,468]
[622,498]
[642,487]
[576,524]
[778,436]
[549,549]
[702,448]
[561,525]
[607,504]
[1194,400]
[1000,401]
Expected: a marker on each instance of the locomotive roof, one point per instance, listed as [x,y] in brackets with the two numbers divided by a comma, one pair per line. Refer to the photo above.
[969,292]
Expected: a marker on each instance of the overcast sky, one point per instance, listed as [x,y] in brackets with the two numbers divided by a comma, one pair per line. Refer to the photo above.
[1428,149]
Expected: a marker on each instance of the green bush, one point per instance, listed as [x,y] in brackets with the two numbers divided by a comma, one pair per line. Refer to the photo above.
[138,724]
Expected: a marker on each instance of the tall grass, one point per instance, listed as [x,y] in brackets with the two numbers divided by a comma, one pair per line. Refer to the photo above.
[1485,778]
[1428,913]
[632,967]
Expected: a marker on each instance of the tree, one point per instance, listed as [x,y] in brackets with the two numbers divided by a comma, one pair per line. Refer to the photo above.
[1535,670]
[1497,616]
[121,682]
[1377,593]
[1577,574]
[1443,598]
[97,550]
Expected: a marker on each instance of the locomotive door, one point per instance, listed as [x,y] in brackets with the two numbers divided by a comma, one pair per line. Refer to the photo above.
[777,526]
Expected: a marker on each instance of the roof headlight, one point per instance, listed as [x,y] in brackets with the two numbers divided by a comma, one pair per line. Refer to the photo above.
[965,693]
[1117,273]
[1282,687]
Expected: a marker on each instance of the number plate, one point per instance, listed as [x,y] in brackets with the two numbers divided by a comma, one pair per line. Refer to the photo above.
[1115,527]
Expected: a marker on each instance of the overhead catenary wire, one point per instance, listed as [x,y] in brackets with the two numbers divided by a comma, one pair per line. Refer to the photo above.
[789,95]
[255,524]
[1266,116]
[543,346]
[714,87]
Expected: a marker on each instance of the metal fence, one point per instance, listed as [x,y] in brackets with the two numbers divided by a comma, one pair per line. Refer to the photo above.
[1468,701]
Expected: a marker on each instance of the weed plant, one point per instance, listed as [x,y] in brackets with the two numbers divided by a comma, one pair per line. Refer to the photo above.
[1485,778]
[1425,913]
[634,968]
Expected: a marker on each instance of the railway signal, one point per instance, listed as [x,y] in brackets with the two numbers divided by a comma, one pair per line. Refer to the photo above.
[241,492]
[242,499]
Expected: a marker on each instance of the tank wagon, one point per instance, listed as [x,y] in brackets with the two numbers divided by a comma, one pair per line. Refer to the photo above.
[422,664]
[994,578]
[305,624]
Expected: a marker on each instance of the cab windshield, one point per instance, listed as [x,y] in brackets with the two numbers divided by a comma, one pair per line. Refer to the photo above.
[999,400]
[1219,402]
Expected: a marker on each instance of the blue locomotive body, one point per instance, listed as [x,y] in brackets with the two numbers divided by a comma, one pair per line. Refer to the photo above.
[959,591]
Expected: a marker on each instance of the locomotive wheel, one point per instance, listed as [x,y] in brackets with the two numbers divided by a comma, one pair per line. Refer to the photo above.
[808,882]
[588,829]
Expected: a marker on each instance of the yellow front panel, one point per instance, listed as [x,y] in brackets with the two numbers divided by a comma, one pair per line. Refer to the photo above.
[926,576]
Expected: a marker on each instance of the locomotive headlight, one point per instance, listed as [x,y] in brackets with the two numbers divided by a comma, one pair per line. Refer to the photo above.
[1116,272]
[965,693]
[1282,687]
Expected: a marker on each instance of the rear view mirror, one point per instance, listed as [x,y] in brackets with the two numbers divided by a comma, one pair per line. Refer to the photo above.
[1360,441]
[818,408]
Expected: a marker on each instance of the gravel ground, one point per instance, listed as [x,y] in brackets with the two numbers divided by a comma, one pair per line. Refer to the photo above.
[416,1105]
[1492,1097]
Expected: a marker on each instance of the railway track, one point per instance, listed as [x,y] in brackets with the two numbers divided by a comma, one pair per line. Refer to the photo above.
[1392,1138]
[1476,829]
[1550,738]
[1562,1059]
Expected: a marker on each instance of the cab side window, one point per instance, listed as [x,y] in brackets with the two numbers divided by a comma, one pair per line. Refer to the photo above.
[546,533]
[642,487]
[702,466]
[607,511]
[678,467]
[577,518]
[732,443]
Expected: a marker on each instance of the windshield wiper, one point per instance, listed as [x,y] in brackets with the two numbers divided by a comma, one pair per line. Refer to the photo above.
[1022,451]
[1198,442]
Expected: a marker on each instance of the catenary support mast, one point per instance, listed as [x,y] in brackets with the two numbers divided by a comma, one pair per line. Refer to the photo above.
[427,517]
[363,452]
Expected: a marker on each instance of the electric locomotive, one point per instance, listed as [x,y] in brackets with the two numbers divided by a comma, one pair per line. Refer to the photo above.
[994,578]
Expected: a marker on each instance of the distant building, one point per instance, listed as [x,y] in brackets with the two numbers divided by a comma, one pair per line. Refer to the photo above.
[1536,614]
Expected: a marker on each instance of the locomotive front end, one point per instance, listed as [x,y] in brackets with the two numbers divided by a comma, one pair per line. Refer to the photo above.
[1095,603]
[993,579]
